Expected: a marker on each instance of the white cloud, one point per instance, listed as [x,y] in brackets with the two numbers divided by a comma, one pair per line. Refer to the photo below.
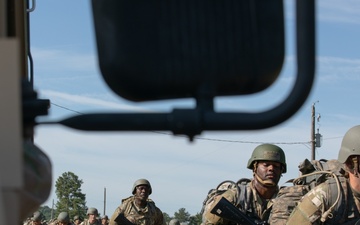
[347,11]
[335,69]
[63,59]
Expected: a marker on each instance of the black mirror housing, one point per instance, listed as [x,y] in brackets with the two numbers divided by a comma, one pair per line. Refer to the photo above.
[169,49]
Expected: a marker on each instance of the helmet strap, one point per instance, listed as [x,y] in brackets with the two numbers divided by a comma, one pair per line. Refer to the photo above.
[267,183]
[356,166]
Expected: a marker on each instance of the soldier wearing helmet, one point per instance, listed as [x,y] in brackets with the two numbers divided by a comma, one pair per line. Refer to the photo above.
[336,201]
[92,214]
[63,219]
[253,196]
[174,222]
[77,220]
[138,209]
[104,220]
[36,219]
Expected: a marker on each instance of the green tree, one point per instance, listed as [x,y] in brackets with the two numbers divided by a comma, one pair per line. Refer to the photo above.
[69,195]
[182,215]
[195,220]
[166,217]
[46,211]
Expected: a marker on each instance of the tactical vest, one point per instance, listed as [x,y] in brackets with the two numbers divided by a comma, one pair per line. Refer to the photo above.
[244,200]
[146,216]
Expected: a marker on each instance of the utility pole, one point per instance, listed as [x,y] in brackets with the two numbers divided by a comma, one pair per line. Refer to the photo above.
[104,201]
[312,138]
[52,210]
[316,139]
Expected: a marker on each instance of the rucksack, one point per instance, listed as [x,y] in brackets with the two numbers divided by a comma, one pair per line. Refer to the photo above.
[221,188]
[313,173]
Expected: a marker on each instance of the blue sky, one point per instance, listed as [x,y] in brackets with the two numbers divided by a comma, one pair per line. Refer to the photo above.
[181,173]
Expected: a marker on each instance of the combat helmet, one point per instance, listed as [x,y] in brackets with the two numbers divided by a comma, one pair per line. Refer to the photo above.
[141,182]
[92,211]
[174,222]
[77,217]
[63,217]
[267,152]
[37,216]
[350,144]
[105,217]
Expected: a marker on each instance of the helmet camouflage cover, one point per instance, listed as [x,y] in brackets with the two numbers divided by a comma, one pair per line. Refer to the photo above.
[92,211]
[77,217]
[174,222]
[267,152]
[63,217]
[105,217]
[350,144]
[37,216]
[141,182]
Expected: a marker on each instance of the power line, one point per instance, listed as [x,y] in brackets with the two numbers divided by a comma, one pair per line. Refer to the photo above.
[63,107]
[236,141]
[212,139]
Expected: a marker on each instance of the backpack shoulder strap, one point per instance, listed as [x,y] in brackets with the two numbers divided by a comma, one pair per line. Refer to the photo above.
[346,204]
[244,198]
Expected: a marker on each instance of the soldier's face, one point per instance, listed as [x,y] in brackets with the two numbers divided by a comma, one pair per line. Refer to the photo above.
[142,192]
[92,218]
[269,171]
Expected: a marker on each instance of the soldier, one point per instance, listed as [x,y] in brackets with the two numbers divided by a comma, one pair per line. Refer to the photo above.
[37,218]
[104,220]
[174,222]
[332,202]
[253,197]
[77,220]
[63,219]
[92,213]
[138,209]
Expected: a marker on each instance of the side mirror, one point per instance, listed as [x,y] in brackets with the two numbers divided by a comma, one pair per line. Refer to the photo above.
[167,49]
[151,50]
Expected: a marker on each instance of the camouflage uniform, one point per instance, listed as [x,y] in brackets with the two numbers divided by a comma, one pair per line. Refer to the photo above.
[253,205]
[91,213]
[245,196]
[36,219]
[150,215]
[334,201]
[313,207]
[87,222]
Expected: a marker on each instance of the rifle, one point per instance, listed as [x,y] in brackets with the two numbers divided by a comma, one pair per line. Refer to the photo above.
[121,220]
[228,211]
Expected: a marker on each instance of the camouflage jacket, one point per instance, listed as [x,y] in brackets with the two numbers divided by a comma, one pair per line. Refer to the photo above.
[328,203]
[248,201]
[150,215]
[87,222]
